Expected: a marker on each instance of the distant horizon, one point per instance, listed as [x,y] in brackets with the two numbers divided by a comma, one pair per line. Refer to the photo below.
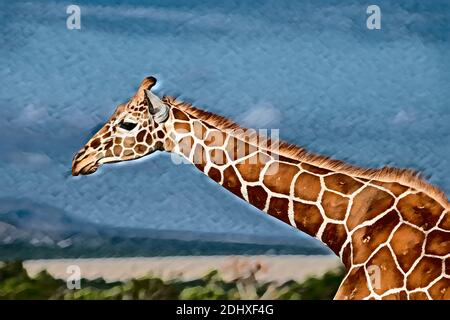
[188,267]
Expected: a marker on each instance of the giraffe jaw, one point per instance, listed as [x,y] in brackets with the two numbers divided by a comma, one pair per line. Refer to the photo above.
[90,170]
[87,170]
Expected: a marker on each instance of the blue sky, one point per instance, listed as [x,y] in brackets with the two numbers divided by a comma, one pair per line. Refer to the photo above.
[310,69]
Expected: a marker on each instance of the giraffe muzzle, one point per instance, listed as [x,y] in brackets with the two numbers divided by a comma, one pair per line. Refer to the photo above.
[84,165]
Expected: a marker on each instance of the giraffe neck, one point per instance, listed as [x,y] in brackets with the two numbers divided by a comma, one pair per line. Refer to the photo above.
[287,189]
[365,221]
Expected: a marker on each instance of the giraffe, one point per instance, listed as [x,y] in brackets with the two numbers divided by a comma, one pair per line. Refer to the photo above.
[389,227]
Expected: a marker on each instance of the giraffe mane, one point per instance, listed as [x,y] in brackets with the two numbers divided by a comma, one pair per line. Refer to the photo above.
[407,177]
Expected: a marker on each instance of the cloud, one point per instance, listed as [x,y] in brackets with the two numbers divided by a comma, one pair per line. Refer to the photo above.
[31,114]
[403,117]
[29,159]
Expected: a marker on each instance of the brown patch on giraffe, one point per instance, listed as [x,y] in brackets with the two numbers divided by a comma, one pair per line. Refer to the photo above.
[237,149]
[257,196]
[394,187]
[424,272]
[185,144]
[109,144]
[407,245]
[215,174]
[199,156]
[368,204]
[402,295]
[159,145]
[182,127]
[250,168]
[445,222]
[307,217]
[334,236]
[313,169]
[231,181]
[118,140]
[278,208]
[117,150]
[140,136]
[140,148]
[128,152]
[148,138]
[418,295]
[106,135]
[95,143]
[420,209]
[354,287]
[307,187]
[129,142]
[199,130]
[366,239]
[440,290]
[279,176]
[215,139]
[160,134]
[108,153]
[179,115]
[342,183]
[346,256]
[438,243]
[218,156]
[389,276]
[335,205]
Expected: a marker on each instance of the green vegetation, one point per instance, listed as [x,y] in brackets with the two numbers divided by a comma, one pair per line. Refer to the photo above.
[15,283]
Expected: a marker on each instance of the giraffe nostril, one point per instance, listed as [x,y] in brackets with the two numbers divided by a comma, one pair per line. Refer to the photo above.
[78,156]
[75,157]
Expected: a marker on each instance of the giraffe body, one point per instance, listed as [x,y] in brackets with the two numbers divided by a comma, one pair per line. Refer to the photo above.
[390,229]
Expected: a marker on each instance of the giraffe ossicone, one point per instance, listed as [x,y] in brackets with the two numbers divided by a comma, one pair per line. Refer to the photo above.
[157,108]
[390,228]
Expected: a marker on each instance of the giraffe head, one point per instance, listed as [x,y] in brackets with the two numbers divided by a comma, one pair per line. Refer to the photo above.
[134,130]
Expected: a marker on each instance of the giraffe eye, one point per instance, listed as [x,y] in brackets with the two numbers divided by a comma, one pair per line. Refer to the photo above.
[127,125]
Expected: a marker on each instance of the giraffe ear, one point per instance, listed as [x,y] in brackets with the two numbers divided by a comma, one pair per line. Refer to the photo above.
[147,83]
[158,109]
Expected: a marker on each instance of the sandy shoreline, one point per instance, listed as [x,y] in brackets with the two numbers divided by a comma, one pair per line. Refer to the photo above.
[272,268]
